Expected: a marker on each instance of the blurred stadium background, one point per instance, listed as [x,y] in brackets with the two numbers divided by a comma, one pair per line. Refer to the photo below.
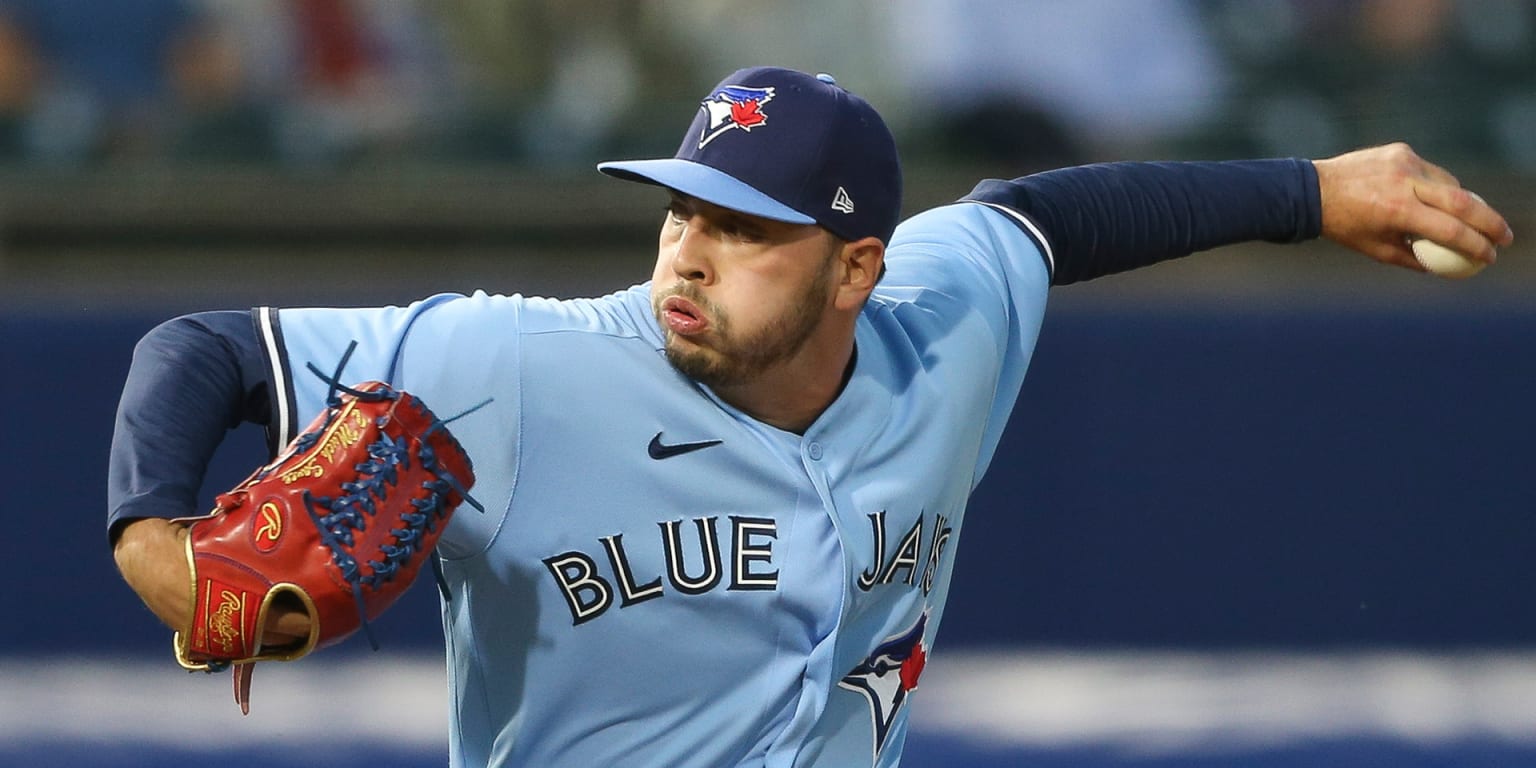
[1266,507]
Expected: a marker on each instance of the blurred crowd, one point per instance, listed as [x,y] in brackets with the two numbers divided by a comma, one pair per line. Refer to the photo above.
[327,83]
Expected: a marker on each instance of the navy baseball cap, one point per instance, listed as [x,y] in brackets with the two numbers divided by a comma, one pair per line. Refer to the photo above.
[787,146]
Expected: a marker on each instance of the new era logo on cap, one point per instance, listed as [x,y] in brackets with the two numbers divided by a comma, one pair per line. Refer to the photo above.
[787,146]
[842,202]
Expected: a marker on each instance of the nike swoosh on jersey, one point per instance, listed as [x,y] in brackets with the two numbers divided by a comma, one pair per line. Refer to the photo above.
[659,450]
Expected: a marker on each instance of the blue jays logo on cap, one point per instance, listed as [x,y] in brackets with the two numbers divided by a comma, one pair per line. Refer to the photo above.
[887,675]
[734,106]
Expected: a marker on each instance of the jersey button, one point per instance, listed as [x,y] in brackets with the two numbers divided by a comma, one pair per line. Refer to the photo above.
[814,451]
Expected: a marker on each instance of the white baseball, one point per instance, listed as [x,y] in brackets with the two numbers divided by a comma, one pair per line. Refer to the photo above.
[1445,262]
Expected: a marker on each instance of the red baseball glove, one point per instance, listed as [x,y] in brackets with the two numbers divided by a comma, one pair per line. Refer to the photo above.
[341,520]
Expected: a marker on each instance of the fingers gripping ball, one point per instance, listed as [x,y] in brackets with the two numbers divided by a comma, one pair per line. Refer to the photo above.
[341,521]
[1443,261]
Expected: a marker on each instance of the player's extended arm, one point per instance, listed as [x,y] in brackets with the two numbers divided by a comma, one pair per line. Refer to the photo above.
[192,379]
[1106,218]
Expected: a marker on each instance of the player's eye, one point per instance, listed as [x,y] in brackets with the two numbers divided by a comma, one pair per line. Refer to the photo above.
[677,213]
[741,232]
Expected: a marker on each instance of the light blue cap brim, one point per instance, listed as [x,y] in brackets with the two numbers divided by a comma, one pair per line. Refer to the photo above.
[705,183]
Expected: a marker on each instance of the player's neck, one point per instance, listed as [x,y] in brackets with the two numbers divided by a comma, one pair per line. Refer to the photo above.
[792,395]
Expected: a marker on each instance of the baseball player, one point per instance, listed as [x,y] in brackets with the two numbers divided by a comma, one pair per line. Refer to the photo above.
[722,506]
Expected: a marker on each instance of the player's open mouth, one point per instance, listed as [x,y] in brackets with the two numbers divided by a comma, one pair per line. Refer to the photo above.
[682,316]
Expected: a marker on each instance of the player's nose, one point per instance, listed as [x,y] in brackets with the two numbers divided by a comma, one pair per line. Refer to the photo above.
[690,257]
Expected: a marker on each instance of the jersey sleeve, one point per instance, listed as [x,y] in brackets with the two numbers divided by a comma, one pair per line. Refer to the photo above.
[191,380]
[974,261]
[456,353]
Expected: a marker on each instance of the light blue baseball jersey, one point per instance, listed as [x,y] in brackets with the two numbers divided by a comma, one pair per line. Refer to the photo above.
[658,579]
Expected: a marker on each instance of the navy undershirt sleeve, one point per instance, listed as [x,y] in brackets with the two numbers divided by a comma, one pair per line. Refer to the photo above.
[192,379]
[1111,217]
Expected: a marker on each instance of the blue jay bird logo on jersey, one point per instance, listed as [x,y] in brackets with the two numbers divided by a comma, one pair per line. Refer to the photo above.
[887,675]
[733,106]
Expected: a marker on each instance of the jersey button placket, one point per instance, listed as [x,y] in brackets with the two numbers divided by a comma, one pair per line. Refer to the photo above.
[813,450]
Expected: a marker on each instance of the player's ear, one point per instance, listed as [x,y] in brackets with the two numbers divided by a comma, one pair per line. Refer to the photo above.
[862,262]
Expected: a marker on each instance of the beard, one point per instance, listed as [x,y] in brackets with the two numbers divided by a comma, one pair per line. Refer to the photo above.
[737,359]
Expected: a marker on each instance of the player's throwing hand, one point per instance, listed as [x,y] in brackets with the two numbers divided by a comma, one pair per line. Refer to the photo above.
[1377,200]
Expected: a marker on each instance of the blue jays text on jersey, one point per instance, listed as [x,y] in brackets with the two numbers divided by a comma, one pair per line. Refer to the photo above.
[761,597]
[695,563]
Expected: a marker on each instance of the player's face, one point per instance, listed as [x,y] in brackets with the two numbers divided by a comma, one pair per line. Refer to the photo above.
[736,294]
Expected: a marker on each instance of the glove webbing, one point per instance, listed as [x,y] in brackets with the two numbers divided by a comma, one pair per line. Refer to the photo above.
[338,517]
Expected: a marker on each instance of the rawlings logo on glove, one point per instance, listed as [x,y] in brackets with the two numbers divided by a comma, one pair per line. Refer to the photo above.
[341,521]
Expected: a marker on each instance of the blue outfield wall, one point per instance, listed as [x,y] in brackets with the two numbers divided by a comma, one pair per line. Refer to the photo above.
[1269,478]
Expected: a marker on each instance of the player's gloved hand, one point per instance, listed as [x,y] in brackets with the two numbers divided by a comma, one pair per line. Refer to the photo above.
[321,540]
[151,554]
[1375,200]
